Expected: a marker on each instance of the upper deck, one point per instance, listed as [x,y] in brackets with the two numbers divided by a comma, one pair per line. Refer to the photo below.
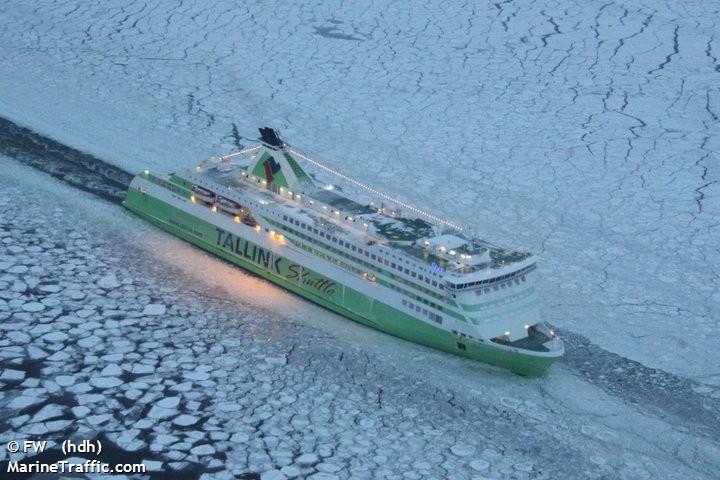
[373,219]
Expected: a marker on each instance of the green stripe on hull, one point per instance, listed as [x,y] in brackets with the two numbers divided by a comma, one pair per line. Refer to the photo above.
[321,290]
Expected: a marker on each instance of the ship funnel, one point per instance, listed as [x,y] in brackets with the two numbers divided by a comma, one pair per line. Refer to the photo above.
[277,167]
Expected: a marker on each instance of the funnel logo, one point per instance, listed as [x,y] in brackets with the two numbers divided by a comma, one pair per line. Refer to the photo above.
[271,167]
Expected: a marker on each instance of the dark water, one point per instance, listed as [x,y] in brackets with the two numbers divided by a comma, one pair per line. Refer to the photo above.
[76,168]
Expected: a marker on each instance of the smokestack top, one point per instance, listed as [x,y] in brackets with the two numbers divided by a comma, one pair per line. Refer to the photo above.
[270,138]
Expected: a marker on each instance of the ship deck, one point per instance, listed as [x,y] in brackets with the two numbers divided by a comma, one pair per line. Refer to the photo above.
[366,222]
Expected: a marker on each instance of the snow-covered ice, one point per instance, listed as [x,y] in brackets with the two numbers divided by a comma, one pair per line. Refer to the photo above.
[154,309]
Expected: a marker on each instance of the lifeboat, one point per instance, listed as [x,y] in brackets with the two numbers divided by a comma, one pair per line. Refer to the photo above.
[249,220]
[203,194]
[228,206]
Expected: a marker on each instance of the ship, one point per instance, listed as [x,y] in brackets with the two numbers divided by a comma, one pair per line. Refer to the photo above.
[357,251]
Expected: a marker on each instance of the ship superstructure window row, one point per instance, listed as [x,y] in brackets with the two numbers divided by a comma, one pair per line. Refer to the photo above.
[496,280]
[503,285]
[432,315]
[418,309]
[388,284]
[364,252]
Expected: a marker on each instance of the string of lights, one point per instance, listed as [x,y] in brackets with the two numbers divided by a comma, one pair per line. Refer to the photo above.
[241,152]
[382,195]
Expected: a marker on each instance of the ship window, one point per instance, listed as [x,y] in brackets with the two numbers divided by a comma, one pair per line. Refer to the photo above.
[373,256]
[285,217]
[413,274]
[354,248]
[461,346]
[434,283]
[392,265]
[367,254]
[407,272]
[523,278]
[315,231]
[322,234]
[425,312]
[496,288]
[387,262]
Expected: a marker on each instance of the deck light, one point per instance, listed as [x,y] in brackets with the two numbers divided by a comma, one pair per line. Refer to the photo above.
[214,208]
[527,327]
[237,219]
[452,252]
[257,228]
[192,199]
[507,334]
[147,172]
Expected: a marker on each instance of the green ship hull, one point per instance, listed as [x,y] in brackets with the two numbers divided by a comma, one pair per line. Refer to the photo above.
[323,291]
